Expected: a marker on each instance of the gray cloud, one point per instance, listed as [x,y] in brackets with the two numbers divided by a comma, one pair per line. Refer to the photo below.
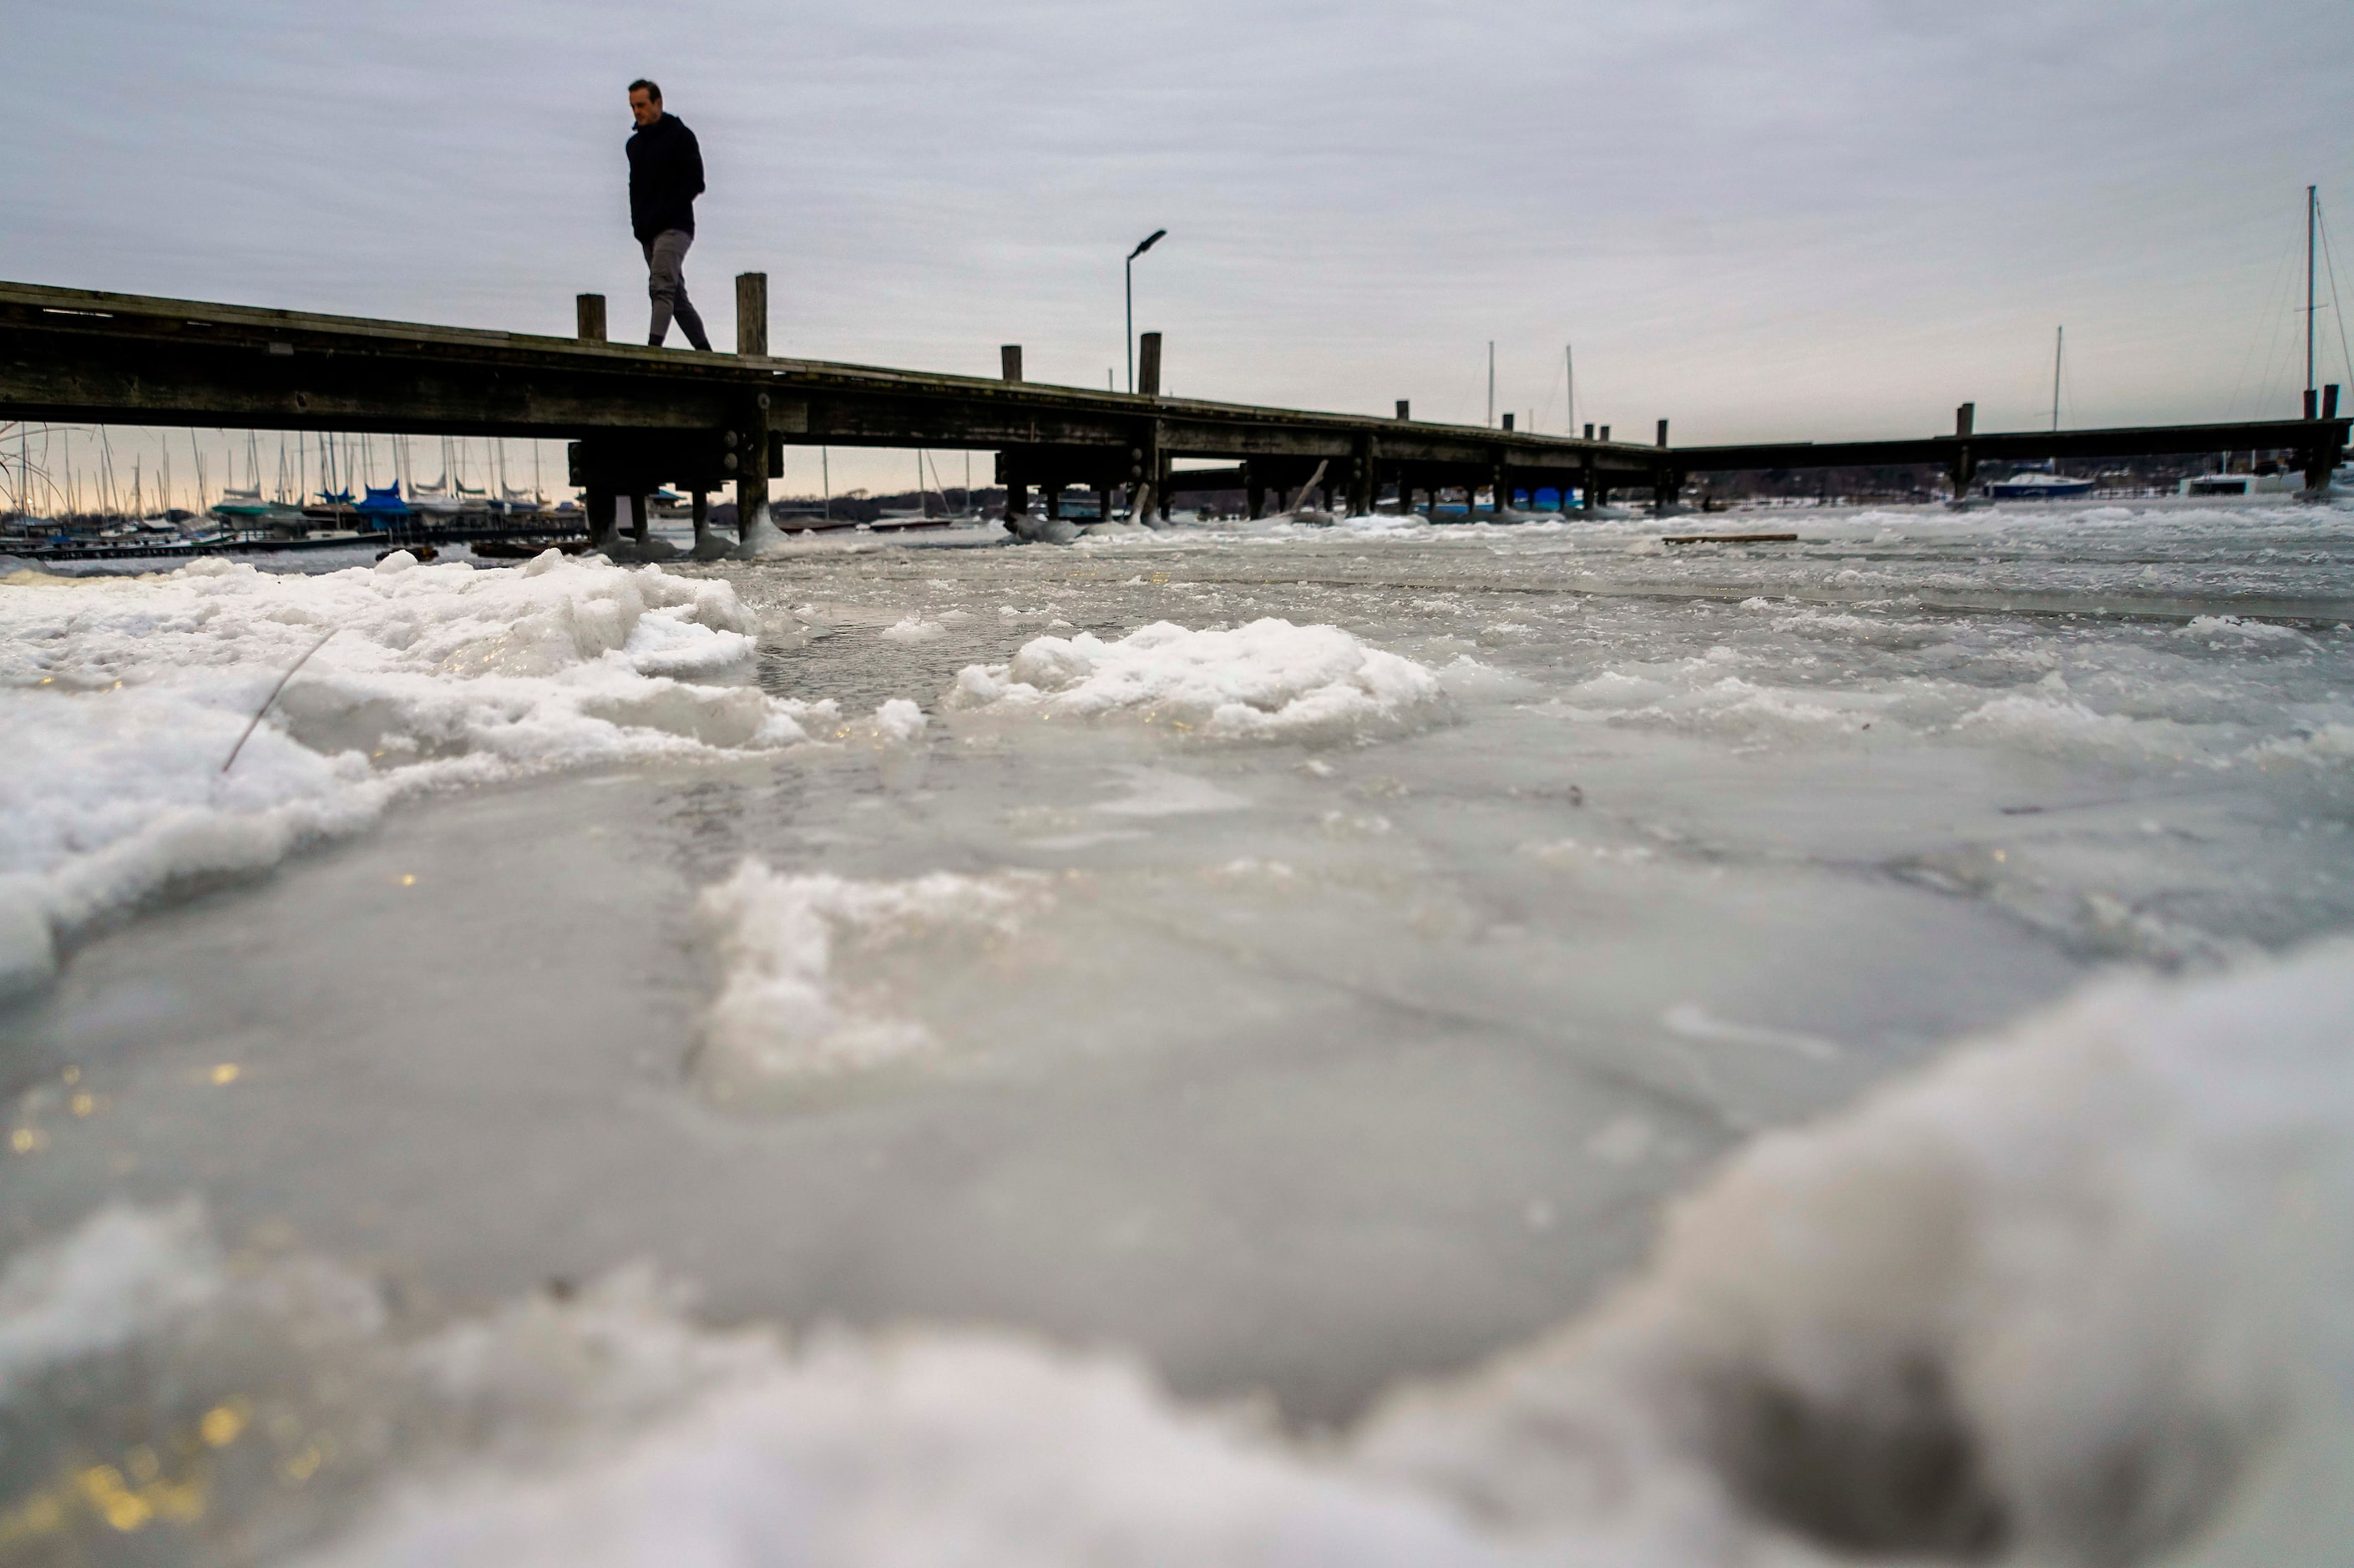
[1797,220]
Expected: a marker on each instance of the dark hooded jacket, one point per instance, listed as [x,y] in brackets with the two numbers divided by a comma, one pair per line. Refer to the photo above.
[665,177]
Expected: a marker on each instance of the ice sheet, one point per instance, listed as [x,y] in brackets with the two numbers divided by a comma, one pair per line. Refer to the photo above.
[1520,1121]
[2044,1302]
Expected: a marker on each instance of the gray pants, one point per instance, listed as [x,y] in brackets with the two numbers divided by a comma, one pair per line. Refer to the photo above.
[666,284]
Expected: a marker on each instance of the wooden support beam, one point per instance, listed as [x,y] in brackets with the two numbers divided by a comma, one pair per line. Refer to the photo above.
[1009,362]
[588,313]
[1965,464]
[599,504]
[1147,456]
[763,460]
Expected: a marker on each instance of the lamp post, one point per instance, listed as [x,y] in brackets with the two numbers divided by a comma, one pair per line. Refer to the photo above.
[1127,272]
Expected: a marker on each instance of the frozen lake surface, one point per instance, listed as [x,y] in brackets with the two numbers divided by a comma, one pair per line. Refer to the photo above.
[872,1051]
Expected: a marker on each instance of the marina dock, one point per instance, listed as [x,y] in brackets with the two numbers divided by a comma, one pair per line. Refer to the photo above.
[639,419]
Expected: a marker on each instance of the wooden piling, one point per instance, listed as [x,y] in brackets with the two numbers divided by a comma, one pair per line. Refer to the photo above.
[1009,362]
[1965,464]
[1147,365]
[752,313]
[589,313]
[1406,409]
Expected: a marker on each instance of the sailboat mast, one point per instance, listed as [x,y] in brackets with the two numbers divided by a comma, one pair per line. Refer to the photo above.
[1569,362]
[2312,218]
[2059,345]
[1492,383]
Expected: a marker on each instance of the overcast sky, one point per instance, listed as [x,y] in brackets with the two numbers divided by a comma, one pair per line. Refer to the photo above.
[1760,221]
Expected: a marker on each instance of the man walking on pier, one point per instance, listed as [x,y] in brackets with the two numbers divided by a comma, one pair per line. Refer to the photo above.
[665,177]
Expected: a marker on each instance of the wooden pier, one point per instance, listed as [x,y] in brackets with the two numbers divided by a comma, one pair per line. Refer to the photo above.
[640,419]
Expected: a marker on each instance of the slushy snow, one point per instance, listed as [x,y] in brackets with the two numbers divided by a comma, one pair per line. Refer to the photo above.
[2076,1295]
[1270,679]
[781,1017]
[123,698]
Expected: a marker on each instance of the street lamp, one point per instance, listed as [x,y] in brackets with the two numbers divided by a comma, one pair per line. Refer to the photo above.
[1127,270]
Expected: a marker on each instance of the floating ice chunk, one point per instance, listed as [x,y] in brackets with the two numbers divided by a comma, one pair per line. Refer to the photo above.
[1465,677]
[669,642]
[913,628]
[2216,626]
[900,721]
[1269,679]
[2060,722]
[782,1018]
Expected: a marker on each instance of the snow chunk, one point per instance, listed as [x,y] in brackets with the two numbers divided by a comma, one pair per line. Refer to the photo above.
[2115,1241]
[782,1018]
[1268,680]
[112,1281]
[899,720]
[122,697]
[913,628]
[2211,626]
